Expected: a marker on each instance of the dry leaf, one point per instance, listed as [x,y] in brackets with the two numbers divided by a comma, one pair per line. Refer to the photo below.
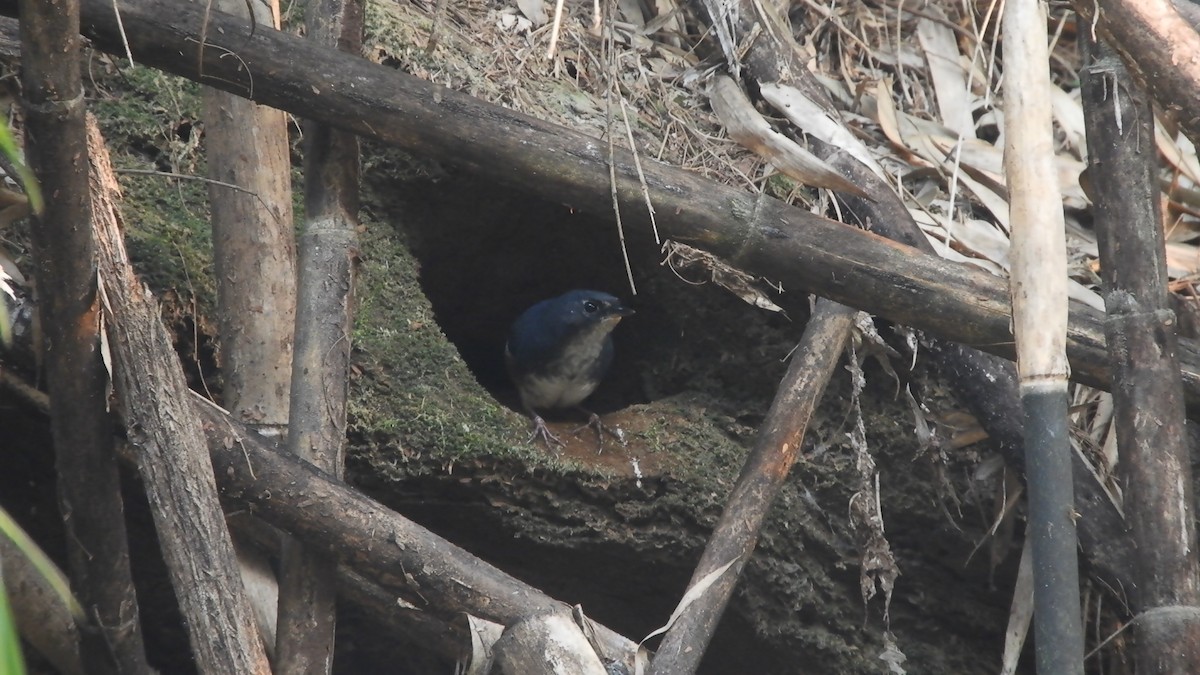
[946,71]
[535,11]
[1020,615]
[746,126]
[484,635]
[689,597]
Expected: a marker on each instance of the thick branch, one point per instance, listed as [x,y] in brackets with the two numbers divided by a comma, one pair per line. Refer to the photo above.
[380,544]
[759,234]
[1158,46]
[171,456]
[1148,399]
[89,489]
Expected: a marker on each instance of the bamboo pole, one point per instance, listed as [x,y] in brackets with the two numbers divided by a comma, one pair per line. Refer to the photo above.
[1147,393]
[1039,293]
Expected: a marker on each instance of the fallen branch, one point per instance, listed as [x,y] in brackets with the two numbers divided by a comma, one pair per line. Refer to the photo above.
[766,469]
[759,234]
[376,542]
[171,457]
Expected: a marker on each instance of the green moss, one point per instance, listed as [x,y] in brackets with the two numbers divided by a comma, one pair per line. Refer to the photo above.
[416,396]
[780,186]
[168,235]
[148,115]
[149,121]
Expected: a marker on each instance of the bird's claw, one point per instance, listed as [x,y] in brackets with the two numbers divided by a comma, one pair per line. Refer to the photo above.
[540,430]
[601,429]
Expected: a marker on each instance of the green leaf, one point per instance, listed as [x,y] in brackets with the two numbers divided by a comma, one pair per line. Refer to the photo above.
[28,181]
[42,563]
[11,661]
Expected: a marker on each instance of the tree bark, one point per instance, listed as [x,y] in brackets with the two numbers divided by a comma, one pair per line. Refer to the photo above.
[759,234]
[321,364]
[254,250]
[1148,398]
[171,454]
[89,489]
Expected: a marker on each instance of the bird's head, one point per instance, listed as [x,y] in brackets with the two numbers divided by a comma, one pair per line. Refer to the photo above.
[579,319]
[580,310]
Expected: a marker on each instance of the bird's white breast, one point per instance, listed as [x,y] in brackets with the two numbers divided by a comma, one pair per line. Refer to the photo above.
[570,378]
[553,392]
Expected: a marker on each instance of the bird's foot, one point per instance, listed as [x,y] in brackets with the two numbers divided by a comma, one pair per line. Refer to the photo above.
[540,430]
[601,429]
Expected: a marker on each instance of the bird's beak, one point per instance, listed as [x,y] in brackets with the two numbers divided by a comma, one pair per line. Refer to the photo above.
[614,313]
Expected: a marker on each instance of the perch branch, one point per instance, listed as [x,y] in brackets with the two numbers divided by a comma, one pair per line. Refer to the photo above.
[761,235]
[775,451]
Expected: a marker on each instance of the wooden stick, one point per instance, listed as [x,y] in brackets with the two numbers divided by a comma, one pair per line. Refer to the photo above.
[89,487]
[1147,396]
[1039,289]
[171,454]
[775,451]
[328,257]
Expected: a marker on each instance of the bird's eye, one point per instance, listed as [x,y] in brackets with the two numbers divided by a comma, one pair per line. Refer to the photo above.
[590,307]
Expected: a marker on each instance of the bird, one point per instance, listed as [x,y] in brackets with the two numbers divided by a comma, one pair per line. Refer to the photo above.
[559,350]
